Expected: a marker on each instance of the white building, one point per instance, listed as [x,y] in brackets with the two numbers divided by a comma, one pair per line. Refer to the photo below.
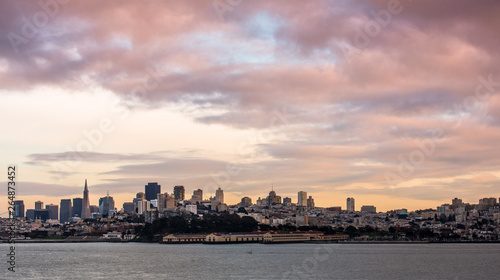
[192,208]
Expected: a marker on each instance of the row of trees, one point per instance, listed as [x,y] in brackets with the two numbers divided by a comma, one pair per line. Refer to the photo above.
[210,223]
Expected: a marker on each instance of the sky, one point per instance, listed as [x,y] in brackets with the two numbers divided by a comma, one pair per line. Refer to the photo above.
[394,103]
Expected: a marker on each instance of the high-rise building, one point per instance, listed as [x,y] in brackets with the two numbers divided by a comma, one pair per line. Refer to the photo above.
[310,202]
[179,192]
[106,205]
[350,204]
[259,202]
[302,199]
[38,205]
[19,209]
[197,195]
[65,211]
[152,190]
[246,201]
[53,211]
[77,207]
[143,206]
[488,201]
[369,209]
[219,195]
[287,201]
[94,209]
[86,203]
[456,202]
[273,199]
[170,202]
[128,207]
[161,201]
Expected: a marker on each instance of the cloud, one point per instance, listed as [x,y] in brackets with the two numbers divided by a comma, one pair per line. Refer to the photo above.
[36,159]
[352,110]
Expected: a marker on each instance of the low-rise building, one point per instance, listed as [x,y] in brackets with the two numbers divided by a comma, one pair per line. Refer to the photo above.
[184,238]
[234,237]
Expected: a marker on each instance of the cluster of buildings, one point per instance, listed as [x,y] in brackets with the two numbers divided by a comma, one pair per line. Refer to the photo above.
[68,211]
[459,219]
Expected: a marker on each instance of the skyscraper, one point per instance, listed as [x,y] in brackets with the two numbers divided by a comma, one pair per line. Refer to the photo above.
[179,192]
[302,201]
[152,190]
[273,199]
[219,195]
[197,195]
[19,209]
[86,203]
[310,202]
[350,204]
[53,211]
[106,205]
[77,207]
[246,201]
[65,211]
[38,205]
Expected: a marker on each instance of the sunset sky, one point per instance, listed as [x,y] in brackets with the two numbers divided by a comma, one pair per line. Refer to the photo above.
[394,103]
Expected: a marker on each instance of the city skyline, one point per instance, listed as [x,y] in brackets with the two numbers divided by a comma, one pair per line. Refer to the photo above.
[394,103]
[218,197]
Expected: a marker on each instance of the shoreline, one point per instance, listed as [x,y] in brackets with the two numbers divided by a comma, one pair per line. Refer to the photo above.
[224,243]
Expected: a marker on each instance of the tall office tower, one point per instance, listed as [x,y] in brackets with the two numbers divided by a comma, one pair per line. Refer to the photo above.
[246,201]
[152,190]
[310,202]
[161,201]
[128,207]
[65,211]
[350,204]
[77,207]
[86,203]
[456,201]
[93,209]
[219,195]
[179,192]
[38,205]
[106,205]
[53,211]
[287,201]
[302,201]
[19,209]
[197,195]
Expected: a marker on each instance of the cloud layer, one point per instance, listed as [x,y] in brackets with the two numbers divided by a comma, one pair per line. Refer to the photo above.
[346,93]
